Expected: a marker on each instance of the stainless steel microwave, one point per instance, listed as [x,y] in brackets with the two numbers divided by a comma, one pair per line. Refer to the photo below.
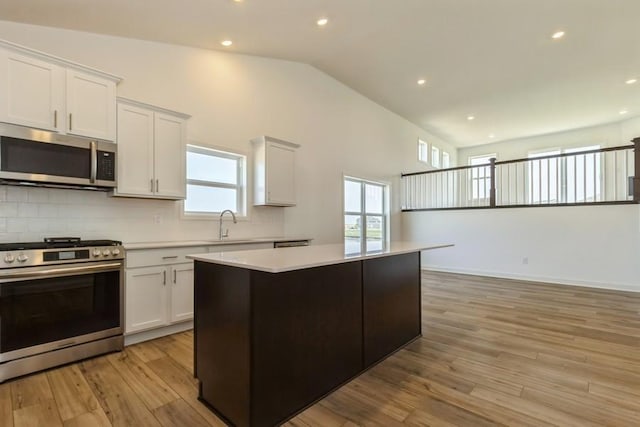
[36,157]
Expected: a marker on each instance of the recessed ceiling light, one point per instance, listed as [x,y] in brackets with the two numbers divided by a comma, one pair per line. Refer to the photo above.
[226,43]
[471,117]
[491,135]
[421,82]
[623,111]
[631,81]
[322,22]
[557,35]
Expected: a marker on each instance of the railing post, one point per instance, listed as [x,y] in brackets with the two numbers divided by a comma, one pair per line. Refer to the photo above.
[636,177]
[492,177]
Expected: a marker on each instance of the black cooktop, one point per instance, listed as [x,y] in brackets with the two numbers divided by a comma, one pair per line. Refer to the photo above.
[57,242]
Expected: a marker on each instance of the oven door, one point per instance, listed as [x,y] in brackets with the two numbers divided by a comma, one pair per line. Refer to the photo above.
[49,308]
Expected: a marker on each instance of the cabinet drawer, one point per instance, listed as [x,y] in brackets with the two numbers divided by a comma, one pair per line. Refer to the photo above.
[165,256]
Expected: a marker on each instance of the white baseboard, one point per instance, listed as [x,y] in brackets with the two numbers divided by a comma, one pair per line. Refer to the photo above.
[540,279]
[157,333]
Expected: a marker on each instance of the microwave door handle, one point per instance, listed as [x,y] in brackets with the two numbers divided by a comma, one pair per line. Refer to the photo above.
[94,162]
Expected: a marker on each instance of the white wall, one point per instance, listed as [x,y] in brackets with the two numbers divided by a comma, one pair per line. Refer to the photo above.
[231,98]
[610,135]
[594,246]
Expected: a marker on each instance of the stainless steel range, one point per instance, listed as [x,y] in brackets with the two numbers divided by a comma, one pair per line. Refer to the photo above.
[61,300]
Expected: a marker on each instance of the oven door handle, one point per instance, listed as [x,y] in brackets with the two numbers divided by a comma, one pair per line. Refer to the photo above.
[59,272]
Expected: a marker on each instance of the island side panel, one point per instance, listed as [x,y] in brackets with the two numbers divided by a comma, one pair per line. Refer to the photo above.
[307,337]
[391,304]
[222,339]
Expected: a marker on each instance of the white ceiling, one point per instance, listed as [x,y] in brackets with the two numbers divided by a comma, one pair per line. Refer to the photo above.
[493,59]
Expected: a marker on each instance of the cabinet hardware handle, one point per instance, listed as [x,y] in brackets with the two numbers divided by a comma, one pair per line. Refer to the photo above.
[70,121]
[174,276]
[164,277]
[152,185]
[55,118]
[170,257]
[157,185]
[94,162]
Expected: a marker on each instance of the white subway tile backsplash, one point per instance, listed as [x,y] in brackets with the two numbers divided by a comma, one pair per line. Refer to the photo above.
[29,214]
[16,194]
[38,195]
[17,225]
[27,210]
[8,209]
[37,224]
[48,210]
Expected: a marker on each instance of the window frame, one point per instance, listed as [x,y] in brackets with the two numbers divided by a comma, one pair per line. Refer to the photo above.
[485,178]
[445,154]
[435,157]
[422,143]
[241,180]
[363,214]
[530,196]
[564,181]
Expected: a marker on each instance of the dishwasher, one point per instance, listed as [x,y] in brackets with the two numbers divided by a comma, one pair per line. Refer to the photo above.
[290,243]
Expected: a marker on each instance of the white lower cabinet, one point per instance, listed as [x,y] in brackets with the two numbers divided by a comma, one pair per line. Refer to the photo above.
[158,296]
[146,298]
[159,288]
[181,292]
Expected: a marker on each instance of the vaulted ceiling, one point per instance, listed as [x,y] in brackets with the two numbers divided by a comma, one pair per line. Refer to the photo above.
[494,60]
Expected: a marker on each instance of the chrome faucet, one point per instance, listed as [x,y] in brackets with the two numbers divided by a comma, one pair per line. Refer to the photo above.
[222,235]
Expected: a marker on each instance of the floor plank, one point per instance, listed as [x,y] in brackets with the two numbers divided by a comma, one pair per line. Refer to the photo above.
[72,393]
[120,403]
[6,406]
[178,414]
[144,382]
[494,352]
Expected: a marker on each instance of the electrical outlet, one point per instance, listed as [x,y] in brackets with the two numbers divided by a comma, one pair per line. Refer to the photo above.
[157,219]
[525,260]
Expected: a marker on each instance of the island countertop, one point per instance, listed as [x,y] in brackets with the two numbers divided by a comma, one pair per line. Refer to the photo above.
[298,258]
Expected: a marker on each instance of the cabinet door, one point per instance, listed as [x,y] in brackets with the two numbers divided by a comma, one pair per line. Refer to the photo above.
[135,151]
[182,292]
[91,106]
[280,173]
[146,298]
[169,156]
[31,91]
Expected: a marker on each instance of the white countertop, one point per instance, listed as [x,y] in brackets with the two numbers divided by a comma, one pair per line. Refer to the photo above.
[187,243]
[298,258]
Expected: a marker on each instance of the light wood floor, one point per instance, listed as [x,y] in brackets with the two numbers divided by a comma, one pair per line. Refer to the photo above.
[493,352]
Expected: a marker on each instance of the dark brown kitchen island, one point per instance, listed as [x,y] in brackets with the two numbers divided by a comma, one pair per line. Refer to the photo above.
[278,329]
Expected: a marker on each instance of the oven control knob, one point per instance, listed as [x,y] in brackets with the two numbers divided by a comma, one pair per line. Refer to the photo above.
[22,258]
[96,252]
[9,258]
[115,252]
[106,252]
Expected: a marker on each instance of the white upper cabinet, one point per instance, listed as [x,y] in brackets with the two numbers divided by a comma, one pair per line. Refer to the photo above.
[45,92]
[151,151]
[135,150]
[274,172]
[32,91]
[91,106]
[169,155]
